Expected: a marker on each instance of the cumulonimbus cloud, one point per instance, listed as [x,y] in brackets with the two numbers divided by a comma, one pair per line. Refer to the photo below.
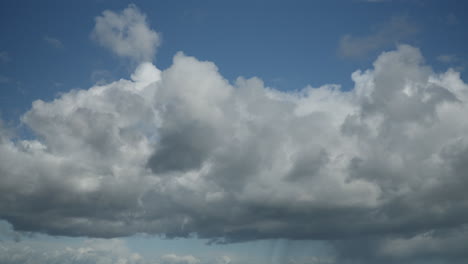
[183,151]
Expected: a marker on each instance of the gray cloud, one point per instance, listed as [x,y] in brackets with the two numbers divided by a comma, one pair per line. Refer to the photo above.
[126,34]
[183,152]
[434,246]
[397,29]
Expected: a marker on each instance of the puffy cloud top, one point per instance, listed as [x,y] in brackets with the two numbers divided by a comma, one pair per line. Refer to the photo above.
[127,34]
[183,151]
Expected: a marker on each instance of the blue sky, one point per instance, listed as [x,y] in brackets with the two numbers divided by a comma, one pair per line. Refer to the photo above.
[217,132]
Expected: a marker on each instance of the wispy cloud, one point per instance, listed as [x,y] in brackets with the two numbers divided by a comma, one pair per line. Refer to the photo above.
[397,29]
[54,42]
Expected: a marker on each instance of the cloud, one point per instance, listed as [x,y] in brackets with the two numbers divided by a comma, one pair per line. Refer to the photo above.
[399,28]
[183,151]
[175,259]
[13,250]
[89,252]
[54,42]
[127,34]
[386,158]
[434,246]
[6,232]
[224,260]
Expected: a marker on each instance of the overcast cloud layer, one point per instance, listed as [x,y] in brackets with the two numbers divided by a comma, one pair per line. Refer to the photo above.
[182,151]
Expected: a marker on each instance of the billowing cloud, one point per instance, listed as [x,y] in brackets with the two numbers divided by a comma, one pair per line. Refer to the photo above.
[127,34]
[397,29]
[183,151]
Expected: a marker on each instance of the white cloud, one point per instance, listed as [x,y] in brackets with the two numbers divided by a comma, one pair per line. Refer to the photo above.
[126,34]
[184,151]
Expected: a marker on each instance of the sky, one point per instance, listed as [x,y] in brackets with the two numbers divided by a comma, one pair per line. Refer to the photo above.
[233,132]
